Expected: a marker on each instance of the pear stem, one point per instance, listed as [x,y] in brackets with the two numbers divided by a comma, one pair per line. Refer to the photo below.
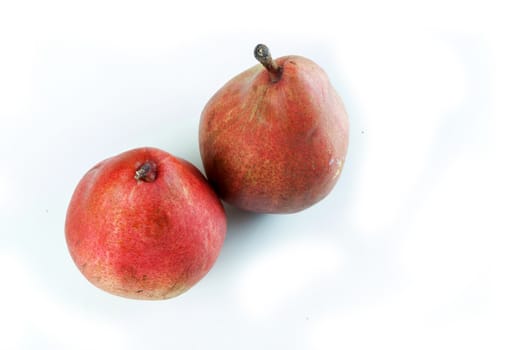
[263,55]
[146,172]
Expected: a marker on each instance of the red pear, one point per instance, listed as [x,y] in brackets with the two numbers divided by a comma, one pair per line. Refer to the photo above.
[144,225]
[274,138]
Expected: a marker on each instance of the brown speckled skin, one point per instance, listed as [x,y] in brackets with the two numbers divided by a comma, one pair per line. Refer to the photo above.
[275,147]
[144,240]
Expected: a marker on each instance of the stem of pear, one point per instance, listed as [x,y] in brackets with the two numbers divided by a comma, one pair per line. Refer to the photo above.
[146,172]
[263,55]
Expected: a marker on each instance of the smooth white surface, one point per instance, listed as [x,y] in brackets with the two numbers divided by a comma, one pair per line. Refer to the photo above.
[418,246]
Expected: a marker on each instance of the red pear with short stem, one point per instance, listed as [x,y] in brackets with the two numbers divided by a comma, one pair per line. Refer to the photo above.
[145,225]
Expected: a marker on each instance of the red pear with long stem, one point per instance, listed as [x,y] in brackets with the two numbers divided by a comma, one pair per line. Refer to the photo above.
[274,138]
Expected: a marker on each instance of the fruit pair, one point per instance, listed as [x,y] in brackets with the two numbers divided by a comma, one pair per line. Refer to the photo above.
[147,225]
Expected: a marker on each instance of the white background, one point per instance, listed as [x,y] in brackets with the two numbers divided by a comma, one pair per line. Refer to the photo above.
[419,246]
